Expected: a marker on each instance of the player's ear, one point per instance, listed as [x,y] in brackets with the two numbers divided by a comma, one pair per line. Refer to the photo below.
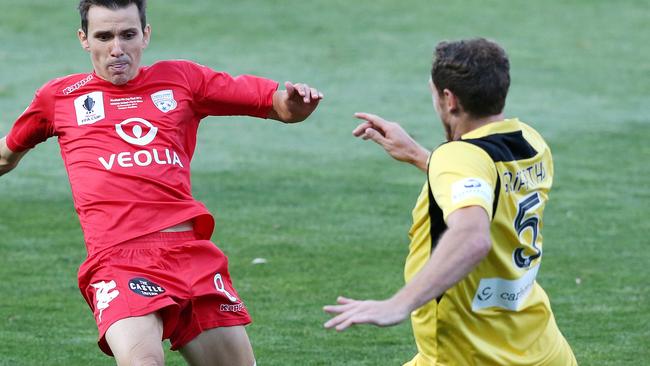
[83,39]
[451,101]
[146,35]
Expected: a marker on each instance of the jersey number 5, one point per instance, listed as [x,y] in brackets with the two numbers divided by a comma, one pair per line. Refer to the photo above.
[527,204]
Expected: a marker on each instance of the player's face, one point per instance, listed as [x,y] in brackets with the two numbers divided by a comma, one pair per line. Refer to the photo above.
[115,41]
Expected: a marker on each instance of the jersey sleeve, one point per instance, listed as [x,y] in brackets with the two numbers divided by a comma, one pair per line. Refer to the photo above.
[462,175]
[35,124]
[219,94]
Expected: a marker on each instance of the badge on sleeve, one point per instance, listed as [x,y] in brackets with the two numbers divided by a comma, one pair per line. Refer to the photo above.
[468,188]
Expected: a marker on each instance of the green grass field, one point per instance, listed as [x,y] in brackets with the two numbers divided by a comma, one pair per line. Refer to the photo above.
[330,213]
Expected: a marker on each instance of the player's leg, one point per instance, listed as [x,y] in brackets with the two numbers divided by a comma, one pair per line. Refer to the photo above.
[223,346]
[137,341]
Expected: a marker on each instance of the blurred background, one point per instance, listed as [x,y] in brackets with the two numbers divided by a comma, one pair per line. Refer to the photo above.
[328,212]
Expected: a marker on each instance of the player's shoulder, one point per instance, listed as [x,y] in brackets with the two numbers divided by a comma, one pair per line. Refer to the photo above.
[533,137]
[458,151]
[65,85]
[178,65]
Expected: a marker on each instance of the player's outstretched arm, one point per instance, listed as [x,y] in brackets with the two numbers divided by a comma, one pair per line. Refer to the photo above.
[8,158]
[295,103]
[465,243]
[392,137]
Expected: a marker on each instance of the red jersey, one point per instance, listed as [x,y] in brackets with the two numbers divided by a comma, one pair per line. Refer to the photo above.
[127,148]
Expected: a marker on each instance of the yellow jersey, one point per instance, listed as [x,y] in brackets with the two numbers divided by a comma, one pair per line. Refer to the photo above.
[498,314]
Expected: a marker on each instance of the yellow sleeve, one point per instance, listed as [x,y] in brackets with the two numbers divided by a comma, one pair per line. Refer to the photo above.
[462,175]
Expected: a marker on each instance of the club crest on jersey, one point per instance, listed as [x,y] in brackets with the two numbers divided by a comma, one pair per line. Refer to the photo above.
[164,100]
[89,108]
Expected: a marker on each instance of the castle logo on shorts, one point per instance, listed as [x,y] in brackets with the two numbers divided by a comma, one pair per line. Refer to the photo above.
[144,287]
[105,292]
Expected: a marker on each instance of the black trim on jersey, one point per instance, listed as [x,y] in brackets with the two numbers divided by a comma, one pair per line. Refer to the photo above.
[436,220]
[505,147]
[497,192]
[437,224]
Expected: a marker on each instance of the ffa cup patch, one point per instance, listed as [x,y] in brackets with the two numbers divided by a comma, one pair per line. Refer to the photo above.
[89,108]
[164,100]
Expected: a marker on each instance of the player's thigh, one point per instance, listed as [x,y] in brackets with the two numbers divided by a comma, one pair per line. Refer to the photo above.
[137,340]
[223,346]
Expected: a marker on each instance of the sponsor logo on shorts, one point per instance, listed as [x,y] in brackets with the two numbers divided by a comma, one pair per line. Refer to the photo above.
[164,100]
[144,287]
[89,108]
[104,293]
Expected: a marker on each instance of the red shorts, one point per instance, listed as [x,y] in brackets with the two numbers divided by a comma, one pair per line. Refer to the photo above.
[184,279]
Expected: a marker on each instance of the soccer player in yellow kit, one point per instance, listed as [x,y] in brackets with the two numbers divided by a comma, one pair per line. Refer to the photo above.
[476,241]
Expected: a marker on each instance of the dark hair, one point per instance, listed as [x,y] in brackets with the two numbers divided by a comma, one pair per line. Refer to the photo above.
[84,5]
[477,71]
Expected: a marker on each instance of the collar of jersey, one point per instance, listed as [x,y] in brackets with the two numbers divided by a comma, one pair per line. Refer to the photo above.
[505,126]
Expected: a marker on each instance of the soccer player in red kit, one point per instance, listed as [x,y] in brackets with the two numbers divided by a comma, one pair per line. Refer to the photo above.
[127,134]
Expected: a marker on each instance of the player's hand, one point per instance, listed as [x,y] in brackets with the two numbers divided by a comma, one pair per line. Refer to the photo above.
[349,312]
[392,137]
[295,103]
[302,92]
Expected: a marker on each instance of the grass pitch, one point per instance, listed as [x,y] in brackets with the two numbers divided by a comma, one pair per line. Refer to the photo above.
[328,212]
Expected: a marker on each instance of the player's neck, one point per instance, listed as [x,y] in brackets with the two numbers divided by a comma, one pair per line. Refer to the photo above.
[467,123]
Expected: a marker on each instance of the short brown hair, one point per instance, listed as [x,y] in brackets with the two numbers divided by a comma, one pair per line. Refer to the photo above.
[477,71]
[84,6]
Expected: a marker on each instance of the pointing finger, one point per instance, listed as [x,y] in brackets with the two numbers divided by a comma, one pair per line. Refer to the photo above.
[382,123]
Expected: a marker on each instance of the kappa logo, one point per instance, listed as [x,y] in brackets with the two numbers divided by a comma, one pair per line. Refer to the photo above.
[138,138]
[164,100]
[89,108]
[78,85]
[104,295]
[218,284]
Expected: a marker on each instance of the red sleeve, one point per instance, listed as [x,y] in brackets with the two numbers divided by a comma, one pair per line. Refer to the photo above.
[35,125]
[219,94]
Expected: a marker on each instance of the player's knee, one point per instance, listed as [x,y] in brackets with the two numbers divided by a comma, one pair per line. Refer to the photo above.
[142,355]
[142,360]
[149,360]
